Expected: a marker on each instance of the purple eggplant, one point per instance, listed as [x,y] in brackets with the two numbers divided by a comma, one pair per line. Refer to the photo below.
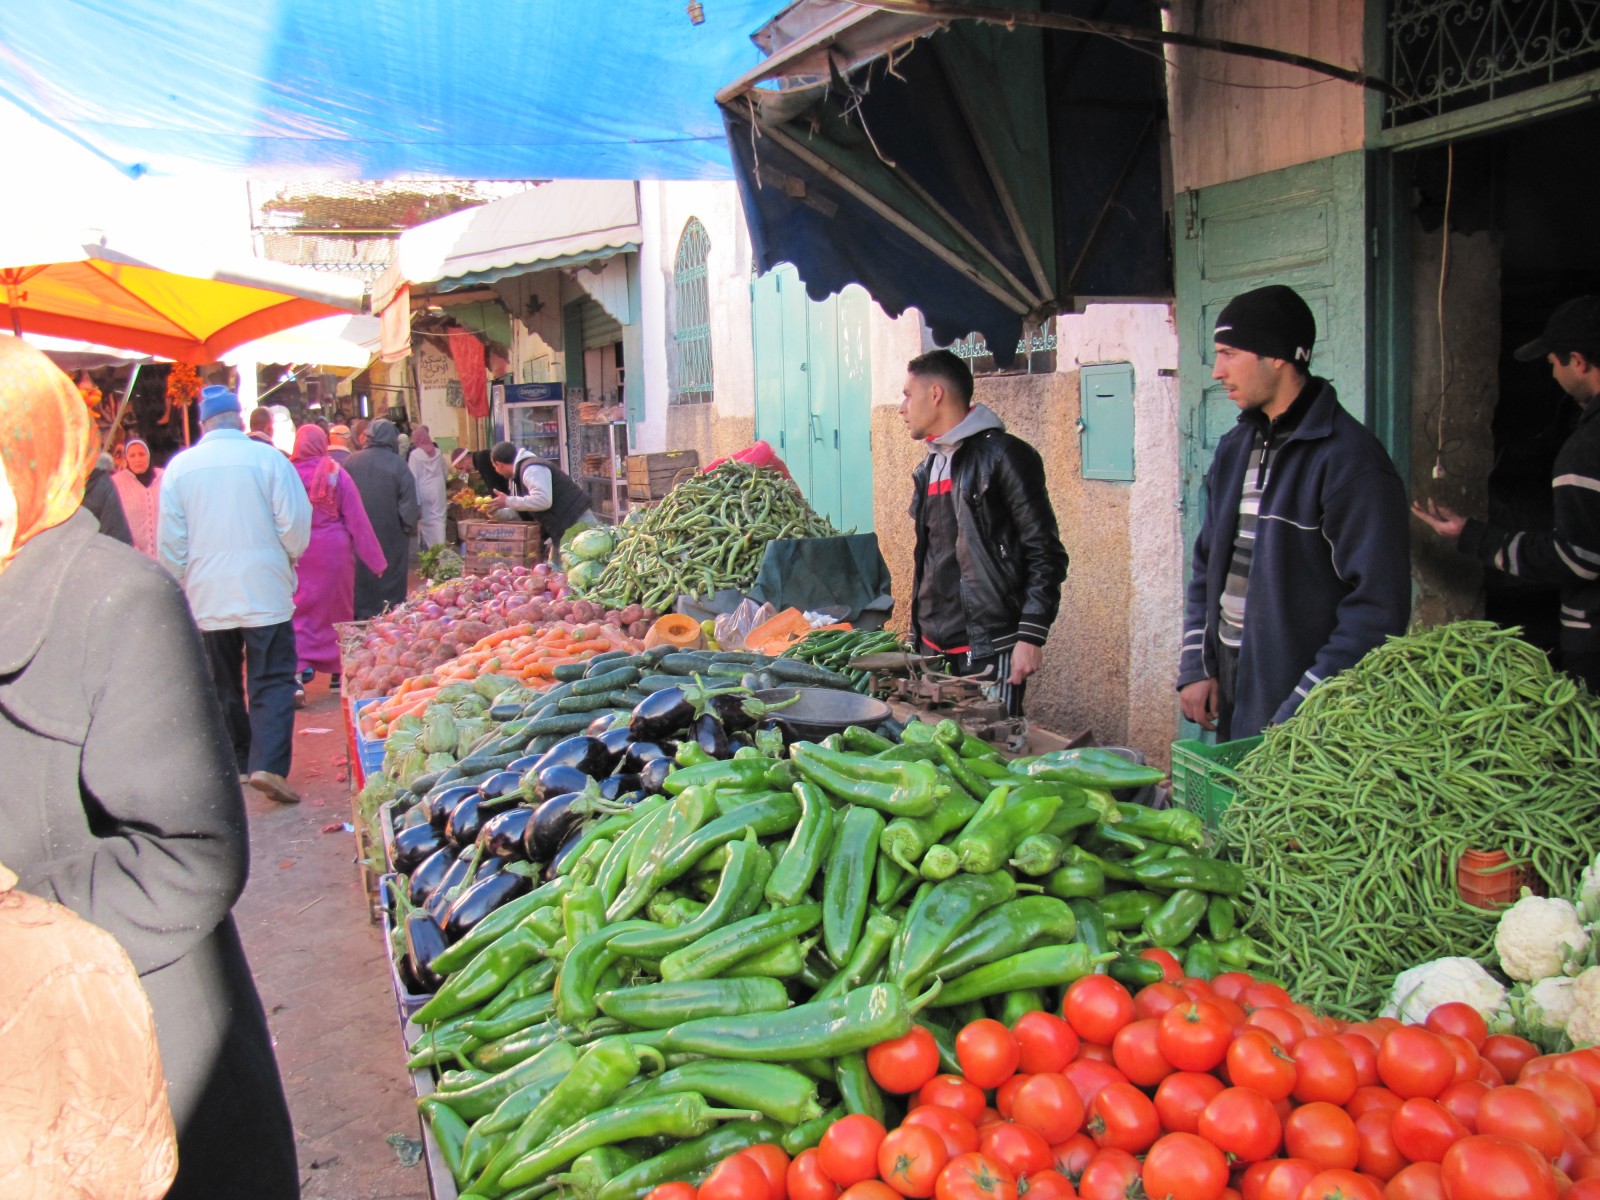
[617,742]
[599,726]
[465,821]
[661,714]
[711,737]
[481,899]
[413,845]
[487,866]
[781,728]
[638,754]
[438,805]
[502,834]
[614,787]
[561,855]
[653,776]
[555,821]
[739,711]
[558,780]
[522,765]
[424,943]
[588,754]
[499,784]
[459,873]
[430,873]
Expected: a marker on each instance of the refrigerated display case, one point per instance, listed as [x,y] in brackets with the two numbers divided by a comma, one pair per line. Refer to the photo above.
[532,415]
[605,468]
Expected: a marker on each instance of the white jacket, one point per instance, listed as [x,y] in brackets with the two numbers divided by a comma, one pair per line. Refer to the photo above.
[234,518]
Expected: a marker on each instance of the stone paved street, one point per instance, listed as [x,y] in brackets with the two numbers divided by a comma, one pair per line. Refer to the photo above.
[320,968]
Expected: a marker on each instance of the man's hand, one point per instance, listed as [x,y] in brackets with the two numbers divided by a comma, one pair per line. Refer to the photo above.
[1026,658]
[1440,519]
[1199,703]
[501,496]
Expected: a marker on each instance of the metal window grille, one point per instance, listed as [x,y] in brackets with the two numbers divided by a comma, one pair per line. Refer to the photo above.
[1447,55]
[692,375]
[1036,353]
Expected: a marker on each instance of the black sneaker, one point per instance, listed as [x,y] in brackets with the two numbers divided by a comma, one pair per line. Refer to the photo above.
[306,676]
[333,682]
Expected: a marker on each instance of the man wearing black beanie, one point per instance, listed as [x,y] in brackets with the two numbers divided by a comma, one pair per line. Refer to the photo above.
[1302,564]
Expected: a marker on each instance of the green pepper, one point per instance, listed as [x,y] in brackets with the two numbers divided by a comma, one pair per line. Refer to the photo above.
[1128,910]
[939,864]
[815,972]
[994,769]
[431,1050]
[808,1133]
[710,955]
[1200,961]
[960,771]
[786,960]
[1177,919]
[1048,966]
[779,1092]
[741,775]
[857,1091]
[590,1172]
[906,839]
[489,971]
[847,886]
[1038,854]
[1240,953]
[585,963]
[615,868]
[502,920]
[899,789]
[995,800]
[525,1012]
[690,1160]
[679,1115]
[1071,818]
[1176,826]
[1110,841]
[1089,767]
[903,884]
[496,1056]
[737,896]
[1134,971]
[1016,1004]
[1221,919]
[730,801]
[1114,871]
[663,1005]
[887,876]
[689,754]
[1004,930]
[949,1061]
[865,741]
[514,1109]
[598,1077]
[910,752]
[1197,874]
[663,862]
[941,916]
[829,1028]
[482,1099]
[1154,852]
[583,911]
[870,950]
[1092,929]
[791,878]
[1075,880]
[449,1131]
[918,731]
[768,814]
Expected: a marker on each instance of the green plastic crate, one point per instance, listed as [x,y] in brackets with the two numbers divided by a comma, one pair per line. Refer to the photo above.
[1202,775]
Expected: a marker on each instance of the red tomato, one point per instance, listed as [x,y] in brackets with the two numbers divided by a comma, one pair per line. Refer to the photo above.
[1583,1189]
[1073,1155]
[1419,1181]
[1171,968]
[1584,1066]
[904,1064]
[974,1177]
[1366,1099]
[806,1180]
[1195,989]
[1151,1003]
[673,1191]
[1044,1042]
[1414,1062]
[849,1149]
[736,1178]
[1230,1009]
[871,1189]
[1016,1147]
[1243,1123]
[1288,1179]
[1483,1167]
[990,1117]
[1137,1053]
[1006,1093]
[1324,1070]
[1047,1185]
[1323,1134]
[1376,1153]
[1573,1155]
[1338,1184]
[1265,995]
[1111,1175]
[960,1136]
[1568,1095]
[1460,1019]
[1535,1066]
[1253,1177]
[1093,1051]
[1508,1053]
[1280,1023]
[1257,1061]
[1230,985]
[987,1052]
[1363,1053]
[1123,1118]
[1520,1112]
[1425,1129]
[910,1159]
[1182,1166]
[1489,1073]
[1466,1055]
[954,1092]
[1194,1036]
[774,1164]
[1096,1006]
[1587,1167]
[1181,1099]
[1049,1104]
[1089,1077]
[1461,1101]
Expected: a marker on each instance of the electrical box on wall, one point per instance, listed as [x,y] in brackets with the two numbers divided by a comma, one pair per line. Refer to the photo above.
[1105,421]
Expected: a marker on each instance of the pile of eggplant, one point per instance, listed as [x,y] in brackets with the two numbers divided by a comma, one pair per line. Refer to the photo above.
[467,849]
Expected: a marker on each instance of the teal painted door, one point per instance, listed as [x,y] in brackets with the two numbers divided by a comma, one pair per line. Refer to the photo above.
[813,392]
[1305,227]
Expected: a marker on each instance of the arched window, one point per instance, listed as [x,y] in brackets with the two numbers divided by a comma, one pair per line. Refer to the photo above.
[691,376]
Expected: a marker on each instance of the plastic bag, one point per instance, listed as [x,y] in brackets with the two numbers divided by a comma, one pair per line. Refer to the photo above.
[731,627]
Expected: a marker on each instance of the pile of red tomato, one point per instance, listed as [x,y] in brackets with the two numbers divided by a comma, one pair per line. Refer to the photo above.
[1189,1090]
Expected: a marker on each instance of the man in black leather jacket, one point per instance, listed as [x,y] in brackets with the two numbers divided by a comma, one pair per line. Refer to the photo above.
[989,560]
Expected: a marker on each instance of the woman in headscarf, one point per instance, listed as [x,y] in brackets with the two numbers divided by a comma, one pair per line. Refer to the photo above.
[429,469]
[122,797]
[139,488]
[327,570]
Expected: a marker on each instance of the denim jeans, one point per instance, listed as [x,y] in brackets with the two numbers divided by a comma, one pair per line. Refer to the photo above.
[260,661]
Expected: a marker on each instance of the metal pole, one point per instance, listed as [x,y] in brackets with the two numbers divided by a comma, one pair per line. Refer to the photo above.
[122,407]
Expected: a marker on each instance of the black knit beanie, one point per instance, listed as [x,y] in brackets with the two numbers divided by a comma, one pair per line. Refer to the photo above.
[1272,322]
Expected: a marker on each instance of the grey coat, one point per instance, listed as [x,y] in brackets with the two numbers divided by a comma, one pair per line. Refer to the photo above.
[389,494]
[121,802]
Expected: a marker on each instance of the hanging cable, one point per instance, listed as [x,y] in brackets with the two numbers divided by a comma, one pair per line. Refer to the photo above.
[1444,348]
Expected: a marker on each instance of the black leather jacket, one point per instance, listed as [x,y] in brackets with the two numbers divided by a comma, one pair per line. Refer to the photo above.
[1009,547]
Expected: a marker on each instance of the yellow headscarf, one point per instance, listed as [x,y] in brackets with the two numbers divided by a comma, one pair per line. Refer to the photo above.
[46,446]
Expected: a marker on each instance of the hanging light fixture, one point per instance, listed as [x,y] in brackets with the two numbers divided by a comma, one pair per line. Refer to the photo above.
[697,12]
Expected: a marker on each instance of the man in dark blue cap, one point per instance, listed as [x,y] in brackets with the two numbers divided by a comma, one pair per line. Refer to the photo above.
[1568,555]
[234,518]
[1302,564]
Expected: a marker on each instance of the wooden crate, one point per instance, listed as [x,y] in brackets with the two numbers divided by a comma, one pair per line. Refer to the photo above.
[651,476]
[486,545]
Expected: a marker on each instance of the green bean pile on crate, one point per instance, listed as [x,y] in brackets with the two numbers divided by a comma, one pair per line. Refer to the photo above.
[835,648]
[705,970]
[709,533]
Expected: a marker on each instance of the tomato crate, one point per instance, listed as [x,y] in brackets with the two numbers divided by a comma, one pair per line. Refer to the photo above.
[651,476]
[1202,775]
[486,545]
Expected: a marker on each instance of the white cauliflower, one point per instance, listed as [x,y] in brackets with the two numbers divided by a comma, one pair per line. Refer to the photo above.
[1538,938]
[1583,1026]
[1543,1011]
[1422,989]
[1589,893]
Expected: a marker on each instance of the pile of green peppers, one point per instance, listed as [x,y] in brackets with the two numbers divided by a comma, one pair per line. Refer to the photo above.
[710,967]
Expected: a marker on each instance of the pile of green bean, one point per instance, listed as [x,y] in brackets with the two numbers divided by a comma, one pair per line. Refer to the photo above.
[834,648]
[709,533]
[1351,815]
